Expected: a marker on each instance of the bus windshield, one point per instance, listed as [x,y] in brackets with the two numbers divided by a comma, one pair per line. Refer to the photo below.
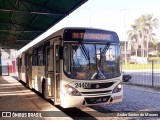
[92,61]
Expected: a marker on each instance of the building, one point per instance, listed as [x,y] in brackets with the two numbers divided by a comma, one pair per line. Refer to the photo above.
[128,51]
[153,51]
[8,61]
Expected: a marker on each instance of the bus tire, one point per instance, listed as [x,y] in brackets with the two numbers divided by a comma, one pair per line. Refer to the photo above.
[43,88]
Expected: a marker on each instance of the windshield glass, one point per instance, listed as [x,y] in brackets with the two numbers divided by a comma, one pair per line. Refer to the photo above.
[91,61]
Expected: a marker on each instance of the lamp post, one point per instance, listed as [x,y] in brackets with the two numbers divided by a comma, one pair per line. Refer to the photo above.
[90,17]
[125,44]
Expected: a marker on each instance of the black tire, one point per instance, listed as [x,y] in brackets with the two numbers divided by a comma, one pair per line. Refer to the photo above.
[43,88]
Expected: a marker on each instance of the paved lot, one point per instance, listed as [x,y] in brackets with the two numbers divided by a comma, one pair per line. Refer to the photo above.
[15,97]
[144,77]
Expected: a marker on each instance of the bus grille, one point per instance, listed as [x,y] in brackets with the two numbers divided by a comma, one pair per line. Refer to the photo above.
[100,85]
[95,100]
[97,92]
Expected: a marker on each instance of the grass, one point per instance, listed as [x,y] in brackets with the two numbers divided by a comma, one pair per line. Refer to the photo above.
[154,58]
[139,66]
[156,65]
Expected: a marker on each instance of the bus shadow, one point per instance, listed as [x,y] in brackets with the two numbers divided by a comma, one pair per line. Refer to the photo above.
[100,109]
[76,113]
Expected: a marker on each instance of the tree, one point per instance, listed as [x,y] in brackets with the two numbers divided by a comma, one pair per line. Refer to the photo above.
[133,38]
[143,30]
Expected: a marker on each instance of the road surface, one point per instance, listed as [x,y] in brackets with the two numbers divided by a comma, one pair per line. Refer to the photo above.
[15,97]
[144,77]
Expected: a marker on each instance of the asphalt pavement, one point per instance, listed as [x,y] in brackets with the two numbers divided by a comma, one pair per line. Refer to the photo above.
[21,102]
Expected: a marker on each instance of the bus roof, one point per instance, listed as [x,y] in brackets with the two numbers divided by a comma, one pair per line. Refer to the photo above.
[94,33]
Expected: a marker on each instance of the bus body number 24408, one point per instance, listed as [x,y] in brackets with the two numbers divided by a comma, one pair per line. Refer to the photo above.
[82,85]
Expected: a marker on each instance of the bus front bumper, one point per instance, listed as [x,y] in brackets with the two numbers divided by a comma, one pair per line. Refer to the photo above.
[76,101]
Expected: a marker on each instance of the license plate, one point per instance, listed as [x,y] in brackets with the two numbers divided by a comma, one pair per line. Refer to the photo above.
[99,100]
[96,100]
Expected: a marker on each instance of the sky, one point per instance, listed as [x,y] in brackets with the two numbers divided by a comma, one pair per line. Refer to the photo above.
[110,14]
[115,15]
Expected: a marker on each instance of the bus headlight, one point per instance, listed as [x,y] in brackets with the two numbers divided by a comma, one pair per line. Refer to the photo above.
[117,88]
[71,91]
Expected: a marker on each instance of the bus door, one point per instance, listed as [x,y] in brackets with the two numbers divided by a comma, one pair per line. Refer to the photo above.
[57,69]
[19,64]
[49,73]
[53,72]
[28,69]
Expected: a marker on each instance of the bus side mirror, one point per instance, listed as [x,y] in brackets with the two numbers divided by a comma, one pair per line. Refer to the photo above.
[60,52]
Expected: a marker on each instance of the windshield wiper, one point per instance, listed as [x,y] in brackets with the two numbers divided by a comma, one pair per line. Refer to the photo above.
[99,74]
[98,63]
[105,49]
[103,52]
[85,53]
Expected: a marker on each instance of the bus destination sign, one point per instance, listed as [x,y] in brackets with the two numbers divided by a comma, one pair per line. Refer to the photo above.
[94,36]
[90,35]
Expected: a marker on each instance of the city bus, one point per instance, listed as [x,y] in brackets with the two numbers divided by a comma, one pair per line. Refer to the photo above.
[74,67]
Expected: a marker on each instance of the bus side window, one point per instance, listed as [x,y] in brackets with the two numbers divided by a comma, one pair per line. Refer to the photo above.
[26,59]
[40,56]
[20,61]
[34,57]
[48,54]
[23,60]
[66,61]
[44,54]
[57,59]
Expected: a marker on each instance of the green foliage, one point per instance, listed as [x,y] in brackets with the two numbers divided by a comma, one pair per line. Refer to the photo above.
[154,58]
[141,33]
[131,62]
[139,66]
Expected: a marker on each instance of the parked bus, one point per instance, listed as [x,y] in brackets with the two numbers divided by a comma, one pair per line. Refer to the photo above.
[75,67]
